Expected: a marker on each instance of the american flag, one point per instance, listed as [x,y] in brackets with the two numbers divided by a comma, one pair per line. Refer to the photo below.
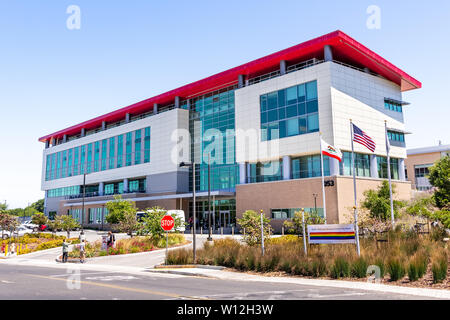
[362,138]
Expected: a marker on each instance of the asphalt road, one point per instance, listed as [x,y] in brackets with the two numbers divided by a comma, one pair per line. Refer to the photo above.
[42,283]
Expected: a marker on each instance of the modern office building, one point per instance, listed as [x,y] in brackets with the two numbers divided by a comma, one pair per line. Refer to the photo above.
[419,161]
[258,124]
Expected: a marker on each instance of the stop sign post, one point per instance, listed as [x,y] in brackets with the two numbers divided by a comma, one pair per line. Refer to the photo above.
[167,223]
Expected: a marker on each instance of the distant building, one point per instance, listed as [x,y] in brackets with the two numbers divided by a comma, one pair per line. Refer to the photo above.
[419,161]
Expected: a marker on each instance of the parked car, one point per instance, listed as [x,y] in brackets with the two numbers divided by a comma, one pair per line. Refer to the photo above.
[19,232]
[29,225]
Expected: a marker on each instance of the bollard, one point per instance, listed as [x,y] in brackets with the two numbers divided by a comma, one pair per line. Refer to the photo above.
[221,231]
[244,232]
[282,230]
[201,231]
[232,231]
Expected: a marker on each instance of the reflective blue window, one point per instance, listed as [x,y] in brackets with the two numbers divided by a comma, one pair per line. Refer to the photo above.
[291,111]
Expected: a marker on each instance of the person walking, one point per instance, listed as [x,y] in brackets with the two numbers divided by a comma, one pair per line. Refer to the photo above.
[65,248]
[111,239]
[82,251]
[82,237]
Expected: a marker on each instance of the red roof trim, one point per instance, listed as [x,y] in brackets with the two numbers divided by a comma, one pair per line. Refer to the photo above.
[343,46]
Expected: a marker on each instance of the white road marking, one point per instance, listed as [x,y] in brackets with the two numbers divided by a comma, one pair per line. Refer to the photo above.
[112,278]
[6,281]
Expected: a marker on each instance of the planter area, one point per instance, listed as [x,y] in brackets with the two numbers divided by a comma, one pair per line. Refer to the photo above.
[127,246]
[32,242]
[406,258]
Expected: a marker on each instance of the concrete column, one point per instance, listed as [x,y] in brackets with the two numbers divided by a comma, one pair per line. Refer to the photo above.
[127,118]
[283,67]
[188,104]
[103,125]
[65,138]
[366,70]
[125,185]
[373,166]
[155,108]
[241,82]
[334,166]
[47,144]
[286,168]
[401,169]
[248,176]
[327,53]
[242,173]
[101,188]
[177,102]
[83,132]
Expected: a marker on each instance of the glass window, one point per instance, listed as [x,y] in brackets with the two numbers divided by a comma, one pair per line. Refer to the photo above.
[311,90]
[104,155]
[291,94]
[290,104]
[147,145]
[292,127]
[137,147]
[281,98]
[313,122]
[129,147]
[272,100]
[301,92]
[312,106]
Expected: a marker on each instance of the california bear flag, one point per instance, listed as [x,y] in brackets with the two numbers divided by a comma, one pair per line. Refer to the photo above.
[329,150]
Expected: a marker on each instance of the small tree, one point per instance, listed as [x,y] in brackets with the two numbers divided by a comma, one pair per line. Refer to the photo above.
[251,222]
[310,218]
[377,202]
[40,219]
[151,222]
[117,209]
[55,224]
[128,222]
[8,222]
[68,224]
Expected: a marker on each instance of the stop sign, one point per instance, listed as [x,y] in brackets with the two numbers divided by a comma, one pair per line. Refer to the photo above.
[167,223]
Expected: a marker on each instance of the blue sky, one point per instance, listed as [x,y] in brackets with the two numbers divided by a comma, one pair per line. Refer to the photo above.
[126,51]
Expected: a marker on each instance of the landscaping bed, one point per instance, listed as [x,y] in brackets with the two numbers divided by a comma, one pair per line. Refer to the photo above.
[33,242]
[406,259]
[132,245]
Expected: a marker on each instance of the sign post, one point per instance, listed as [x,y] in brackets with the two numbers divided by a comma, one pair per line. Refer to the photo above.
[167,223]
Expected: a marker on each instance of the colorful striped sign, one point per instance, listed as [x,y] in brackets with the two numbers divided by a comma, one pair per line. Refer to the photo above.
[331,233]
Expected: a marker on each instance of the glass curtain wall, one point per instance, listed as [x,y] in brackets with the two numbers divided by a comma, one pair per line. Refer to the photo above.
[212,117]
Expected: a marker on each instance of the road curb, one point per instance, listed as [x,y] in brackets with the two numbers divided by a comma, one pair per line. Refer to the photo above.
[182,273]
[188,266]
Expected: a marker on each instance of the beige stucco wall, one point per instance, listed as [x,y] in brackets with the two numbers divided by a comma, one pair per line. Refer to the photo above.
[419,159]
[285,194]
[345,193]
[299,193]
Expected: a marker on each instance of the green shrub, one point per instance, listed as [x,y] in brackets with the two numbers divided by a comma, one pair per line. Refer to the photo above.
[359,268]
[380,263]
[417,266]
[396,269]
[318,267]
[340,268]
[439,266]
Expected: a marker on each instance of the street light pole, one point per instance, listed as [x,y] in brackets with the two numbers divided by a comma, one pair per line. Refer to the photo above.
[193,194]
[84,194]
[209,199]
[183,164]
[315,202]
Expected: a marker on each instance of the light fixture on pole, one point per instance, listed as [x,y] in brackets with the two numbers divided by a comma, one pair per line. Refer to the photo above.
[209,198]
[192,165]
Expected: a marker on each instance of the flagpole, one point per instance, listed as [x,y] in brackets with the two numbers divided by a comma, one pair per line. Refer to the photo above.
[323,180]
[389,173]
[355,208]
